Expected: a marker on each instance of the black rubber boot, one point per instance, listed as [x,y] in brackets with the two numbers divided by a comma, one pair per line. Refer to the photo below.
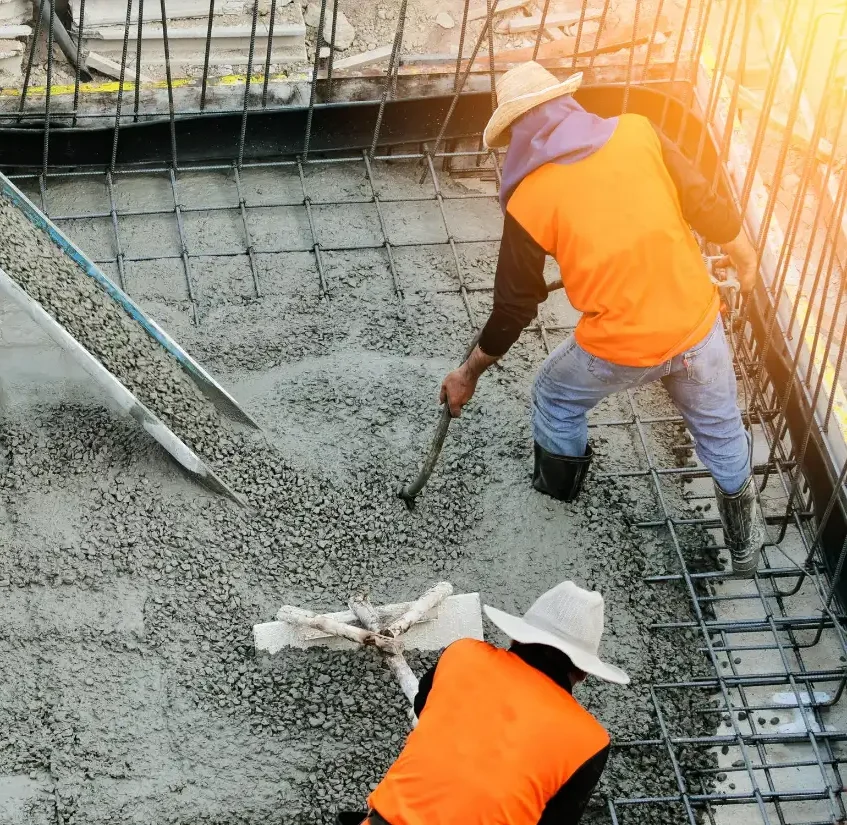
[559,476]
[742,527]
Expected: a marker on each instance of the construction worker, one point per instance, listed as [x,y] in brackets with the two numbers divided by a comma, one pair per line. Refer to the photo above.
[613,201]
[500,739]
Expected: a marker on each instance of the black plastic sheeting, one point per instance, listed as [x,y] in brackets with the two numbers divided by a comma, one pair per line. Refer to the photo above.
[279,133]
[214,138]
[819,469]
[349,127]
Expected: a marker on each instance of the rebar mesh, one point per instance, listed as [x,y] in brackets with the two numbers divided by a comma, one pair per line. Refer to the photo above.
[775,645]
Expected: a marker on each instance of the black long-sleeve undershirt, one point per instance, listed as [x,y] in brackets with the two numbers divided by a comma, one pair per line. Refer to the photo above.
[518,288]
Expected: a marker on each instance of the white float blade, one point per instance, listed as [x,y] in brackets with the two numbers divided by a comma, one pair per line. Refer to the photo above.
[457,617]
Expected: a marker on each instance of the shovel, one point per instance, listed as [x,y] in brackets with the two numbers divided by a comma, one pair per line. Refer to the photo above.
[410,491]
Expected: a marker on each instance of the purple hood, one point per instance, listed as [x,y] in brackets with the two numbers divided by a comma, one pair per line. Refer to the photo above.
[558,131]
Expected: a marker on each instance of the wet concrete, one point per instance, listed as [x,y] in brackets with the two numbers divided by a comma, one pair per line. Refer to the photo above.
[128,594]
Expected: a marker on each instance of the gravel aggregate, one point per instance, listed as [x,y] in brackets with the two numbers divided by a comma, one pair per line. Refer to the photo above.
[133,693]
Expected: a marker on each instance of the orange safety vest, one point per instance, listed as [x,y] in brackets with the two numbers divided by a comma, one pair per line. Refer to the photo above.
[496,740]
[628,259]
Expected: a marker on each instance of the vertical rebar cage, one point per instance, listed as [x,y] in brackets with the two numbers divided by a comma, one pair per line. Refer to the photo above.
[753,91]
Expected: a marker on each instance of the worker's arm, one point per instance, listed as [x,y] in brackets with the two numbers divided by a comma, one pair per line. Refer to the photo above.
[567,806]
[710,215]
[424,687]
[518,290]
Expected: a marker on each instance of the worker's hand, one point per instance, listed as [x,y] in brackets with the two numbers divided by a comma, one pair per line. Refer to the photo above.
[741,256]
[457,389]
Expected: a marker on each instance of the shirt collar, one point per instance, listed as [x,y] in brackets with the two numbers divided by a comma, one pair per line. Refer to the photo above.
[551,662]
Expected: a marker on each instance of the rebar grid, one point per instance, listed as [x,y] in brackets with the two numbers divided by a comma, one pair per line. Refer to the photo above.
[785,630]
[786,618]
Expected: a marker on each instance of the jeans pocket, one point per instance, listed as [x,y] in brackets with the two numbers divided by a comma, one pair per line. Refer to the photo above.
[555,358]
[709,360]
[615,374]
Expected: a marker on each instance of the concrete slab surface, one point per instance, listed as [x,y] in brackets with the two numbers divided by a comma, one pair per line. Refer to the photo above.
[150,702]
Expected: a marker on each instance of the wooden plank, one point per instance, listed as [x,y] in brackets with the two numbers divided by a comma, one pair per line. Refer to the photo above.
[111,69]
[776,120]
[363,59]
[554,33]
[528,24]
[479,11]
[609,40]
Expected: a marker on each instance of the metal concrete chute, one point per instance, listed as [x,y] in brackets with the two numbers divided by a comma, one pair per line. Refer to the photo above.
[435,620]
[117,393]
[213,391]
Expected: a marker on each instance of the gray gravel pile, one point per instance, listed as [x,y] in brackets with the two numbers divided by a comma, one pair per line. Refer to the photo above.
[247,463]
[206,568]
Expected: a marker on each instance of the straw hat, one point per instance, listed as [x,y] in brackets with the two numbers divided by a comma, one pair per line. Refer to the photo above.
[567,618]
[519,90]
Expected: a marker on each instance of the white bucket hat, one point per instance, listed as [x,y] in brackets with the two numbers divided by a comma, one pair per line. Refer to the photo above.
[520,89]
[567,618]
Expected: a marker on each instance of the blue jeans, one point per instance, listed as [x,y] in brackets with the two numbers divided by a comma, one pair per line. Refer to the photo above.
[701,383]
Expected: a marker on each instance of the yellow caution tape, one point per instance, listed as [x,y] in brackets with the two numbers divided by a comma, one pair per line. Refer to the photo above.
[114,86]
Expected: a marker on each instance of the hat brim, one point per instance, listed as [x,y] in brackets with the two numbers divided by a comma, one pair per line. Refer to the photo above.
[522,631]
[497,130]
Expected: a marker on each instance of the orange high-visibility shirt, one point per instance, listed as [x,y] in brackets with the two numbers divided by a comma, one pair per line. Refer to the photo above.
[495,742]
[628,259]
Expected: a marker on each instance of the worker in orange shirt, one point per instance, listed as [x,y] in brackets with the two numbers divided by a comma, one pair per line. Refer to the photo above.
[500,738]
[614,202]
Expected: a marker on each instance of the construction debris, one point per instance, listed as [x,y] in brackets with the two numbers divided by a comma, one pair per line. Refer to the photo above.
[188,31]
[364,59]
[110,68]
[11,52]
[340,35]
[114,12]
[429,46]
[345,34]
[479,10]
[625,35]
[13,37]
[444,20]
[526,24]
[15,12]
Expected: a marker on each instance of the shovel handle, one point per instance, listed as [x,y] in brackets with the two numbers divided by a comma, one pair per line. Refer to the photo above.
[411,490]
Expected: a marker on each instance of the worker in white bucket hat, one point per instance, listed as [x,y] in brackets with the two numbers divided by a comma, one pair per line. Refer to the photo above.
[500,738]
[614,202]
